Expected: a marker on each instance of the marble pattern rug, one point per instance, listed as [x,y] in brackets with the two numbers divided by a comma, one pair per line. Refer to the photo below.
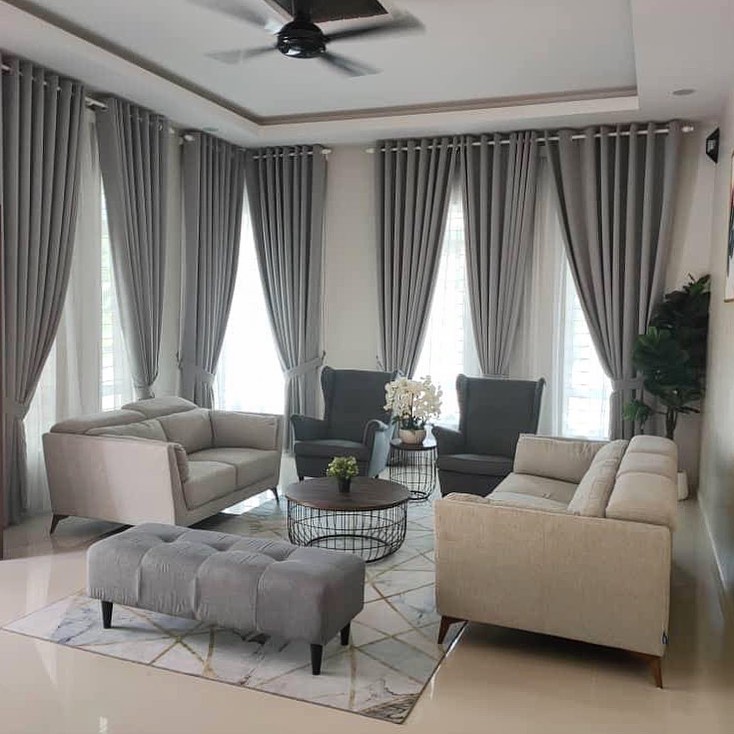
[381,674]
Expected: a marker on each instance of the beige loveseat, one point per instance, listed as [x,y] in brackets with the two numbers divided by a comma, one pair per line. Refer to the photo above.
[576,542]
[160,460]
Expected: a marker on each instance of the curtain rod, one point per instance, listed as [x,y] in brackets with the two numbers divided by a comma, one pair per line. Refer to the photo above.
[90,102]
[688,128]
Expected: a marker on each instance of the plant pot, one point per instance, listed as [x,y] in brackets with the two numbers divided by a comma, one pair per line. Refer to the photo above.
[344,484]
[411,435]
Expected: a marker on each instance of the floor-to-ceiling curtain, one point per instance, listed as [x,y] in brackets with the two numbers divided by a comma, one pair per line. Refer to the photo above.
[499,179]
[616,189]
[41,115]
[213,191]
[286,188]
[414,179]
[133,151]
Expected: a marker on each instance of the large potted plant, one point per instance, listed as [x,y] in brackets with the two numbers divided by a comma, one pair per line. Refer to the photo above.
[671,357]
[412,403]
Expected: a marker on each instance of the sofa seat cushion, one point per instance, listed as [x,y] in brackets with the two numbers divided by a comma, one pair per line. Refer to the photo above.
[490,466]
[208,481]
[529,484]
[150,429]
[525,501]
[156,407]
[332,447]
[251,465]
[192,429]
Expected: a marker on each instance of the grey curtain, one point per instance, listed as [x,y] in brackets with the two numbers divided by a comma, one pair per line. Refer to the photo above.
[213,192]
[414,179]
[41,117]
[286,188]
[133,152]
[616,194]
[499,177]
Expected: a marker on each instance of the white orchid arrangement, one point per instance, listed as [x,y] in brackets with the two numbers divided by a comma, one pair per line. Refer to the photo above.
[413,402]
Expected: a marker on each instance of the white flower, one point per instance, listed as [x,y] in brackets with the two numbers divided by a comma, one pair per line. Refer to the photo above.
[413,402]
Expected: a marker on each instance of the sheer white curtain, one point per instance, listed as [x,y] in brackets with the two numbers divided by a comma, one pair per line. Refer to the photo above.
[448,346]
[249,375]
[71,380]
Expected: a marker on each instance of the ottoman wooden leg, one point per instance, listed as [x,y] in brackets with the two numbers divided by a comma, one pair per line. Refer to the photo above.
[345,635]
[106,614]
[446,622]
[317,652]
[55,520]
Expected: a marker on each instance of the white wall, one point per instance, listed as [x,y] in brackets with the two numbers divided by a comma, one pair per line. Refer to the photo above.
[716,493]
[350,327]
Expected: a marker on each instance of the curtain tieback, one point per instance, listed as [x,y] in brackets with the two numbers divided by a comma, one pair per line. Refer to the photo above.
[305,367]
[199,372]
[627,383]
[15,409]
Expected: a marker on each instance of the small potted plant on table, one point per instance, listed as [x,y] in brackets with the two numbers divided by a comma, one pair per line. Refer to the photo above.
[413,403]
[343,468]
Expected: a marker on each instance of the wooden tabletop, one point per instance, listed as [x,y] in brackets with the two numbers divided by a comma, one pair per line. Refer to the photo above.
[365,493]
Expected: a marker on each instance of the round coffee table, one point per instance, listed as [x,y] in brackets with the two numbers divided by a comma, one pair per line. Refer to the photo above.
[369,520]
[414,465]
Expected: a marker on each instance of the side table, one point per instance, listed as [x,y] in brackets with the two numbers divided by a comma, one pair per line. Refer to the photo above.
[414,465]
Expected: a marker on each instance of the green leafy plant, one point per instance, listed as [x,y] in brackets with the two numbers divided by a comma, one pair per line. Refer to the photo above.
[671,356]
[342,467]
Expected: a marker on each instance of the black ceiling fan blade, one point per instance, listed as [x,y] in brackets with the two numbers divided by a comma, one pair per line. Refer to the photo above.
[236,10]
[236,55]
[347,66]
[399,24]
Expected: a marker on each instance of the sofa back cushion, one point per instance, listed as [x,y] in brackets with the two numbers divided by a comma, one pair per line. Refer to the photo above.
[646,486]
[245,430]
[150,429]
[591,496]
[86,423]
[556,458]
[156,407]
[192,429]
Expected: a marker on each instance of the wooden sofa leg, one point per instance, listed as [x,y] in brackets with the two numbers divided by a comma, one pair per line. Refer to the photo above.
[55,520]
[654,662]
[274,490]
[344,635]
[317,652]
[446,622]
[300,477]
[106,614]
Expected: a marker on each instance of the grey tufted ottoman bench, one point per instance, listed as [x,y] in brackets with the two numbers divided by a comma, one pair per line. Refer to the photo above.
[246,584]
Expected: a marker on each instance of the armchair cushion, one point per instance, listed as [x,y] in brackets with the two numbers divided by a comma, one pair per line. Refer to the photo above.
[244,430]
[332,447]
[492,466]
[251,465]
[192,429]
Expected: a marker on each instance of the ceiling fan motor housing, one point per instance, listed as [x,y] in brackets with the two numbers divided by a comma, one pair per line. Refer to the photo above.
[301,39]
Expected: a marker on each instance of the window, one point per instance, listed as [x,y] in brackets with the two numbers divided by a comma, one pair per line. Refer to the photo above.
[586,389]
[448,346]
[249,375]
[116,387]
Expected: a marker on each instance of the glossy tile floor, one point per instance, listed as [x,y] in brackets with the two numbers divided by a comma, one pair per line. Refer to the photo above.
[492,680]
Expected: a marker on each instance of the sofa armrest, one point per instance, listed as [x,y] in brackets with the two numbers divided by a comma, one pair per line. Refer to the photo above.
[234,429]
[448,441]
[120,479]
[306,428]
[592,579]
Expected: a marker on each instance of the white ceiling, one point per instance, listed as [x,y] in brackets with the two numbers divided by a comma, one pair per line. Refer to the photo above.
[480,65]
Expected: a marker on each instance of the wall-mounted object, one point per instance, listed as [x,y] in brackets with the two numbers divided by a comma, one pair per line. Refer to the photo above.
[712,146]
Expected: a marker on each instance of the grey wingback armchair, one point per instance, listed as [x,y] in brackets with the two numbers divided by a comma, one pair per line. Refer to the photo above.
[493,414]
[355,423]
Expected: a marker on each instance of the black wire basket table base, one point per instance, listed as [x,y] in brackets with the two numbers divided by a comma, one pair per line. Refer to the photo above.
[369,521]
[414,466]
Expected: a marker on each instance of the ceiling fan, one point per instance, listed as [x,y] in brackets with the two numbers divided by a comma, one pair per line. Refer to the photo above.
[301,38]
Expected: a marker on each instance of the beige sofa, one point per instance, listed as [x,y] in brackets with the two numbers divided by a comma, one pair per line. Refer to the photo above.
[160,460]
[576,542]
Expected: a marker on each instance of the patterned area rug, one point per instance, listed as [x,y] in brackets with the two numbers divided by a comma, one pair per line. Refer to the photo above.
[391,659]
